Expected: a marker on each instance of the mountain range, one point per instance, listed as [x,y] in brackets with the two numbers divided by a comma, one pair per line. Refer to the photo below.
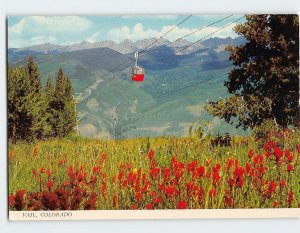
[178,82]
[128,46]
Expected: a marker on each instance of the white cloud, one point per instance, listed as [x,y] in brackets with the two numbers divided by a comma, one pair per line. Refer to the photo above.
[138,32]
[50,23]
[43,29]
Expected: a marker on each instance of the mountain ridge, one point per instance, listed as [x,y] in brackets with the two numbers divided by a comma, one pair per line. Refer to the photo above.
[128,46]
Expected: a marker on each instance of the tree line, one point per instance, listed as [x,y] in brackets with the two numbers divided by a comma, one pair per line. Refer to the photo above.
[36,111]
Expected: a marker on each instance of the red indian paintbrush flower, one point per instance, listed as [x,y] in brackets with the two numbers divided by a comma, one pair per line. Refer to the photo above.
[139,196]
[96,169]
[158,200]
[134,207]
[250,153]
[19,201]
[170,191]
[181,205]
[272,187]
[11,200]
[49,184]
[149,206]
[34,151]
[192,166]
[34,173]
[166,173]
[289,156]
[275,204]
[229,163]
[215,174]
[212,192]
[290,168]
[290,198]
[151,154]
[283,183]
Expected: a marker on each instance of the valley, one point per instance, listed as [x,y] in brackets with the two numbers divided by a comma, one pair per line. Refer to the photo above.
[170,100]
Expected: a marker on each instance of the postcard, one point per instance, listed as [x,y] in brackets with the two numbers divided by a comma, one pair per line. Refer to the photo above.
[153,116]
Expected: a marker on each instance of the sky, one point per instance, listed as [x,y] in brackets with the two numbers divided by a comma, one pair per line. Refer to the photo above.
[26,31]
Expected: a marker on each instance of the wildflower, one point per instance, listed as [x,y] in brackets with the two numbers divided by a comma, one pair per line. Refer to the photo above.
[96,169]
[229,163]
[275,204]
[192,166]
[42,169]
[248,169]
[103,189]
[258,160]
[63,199]
[115,200]
[272,187]
[154,173]
[50,200]
[283,183]
[91,202]
[158,200]
[289,156]
[216,175]
[228,200]
[34,172]
[11,200]
[139,196]
[189,188]
[134,207]
[61,162]
[77,198]
[212,192]
[103,157]
[166,173]
[170,191]
[181,205]
[278,153]
[250,153]
[50,184]
[290,168]
[290,198]
[151,154]
[48,172]
[200,171]
[19,201]
[149,206]
[268,154]
[34,151]
[201,193]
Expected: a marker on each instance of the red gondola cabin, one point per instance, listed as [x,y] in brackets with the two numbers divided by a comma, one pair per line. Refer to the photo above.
[137,74]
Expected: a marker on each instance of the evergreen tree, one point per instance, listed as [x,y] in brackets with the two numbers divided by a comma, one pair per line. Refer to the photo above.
[37,101]
[20,119]
[64,114]
[37,113]
[48,96]
[265,81]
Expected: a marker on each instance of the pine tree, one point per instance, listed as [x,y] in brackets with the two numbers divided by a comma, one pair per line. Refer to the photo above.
[265,81]
[19,116]
[48,96]
[37,101]
[64,115]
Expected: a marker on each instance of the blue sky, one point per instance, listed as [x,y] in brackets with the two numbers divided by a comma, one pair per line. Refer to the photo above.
[63,30]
